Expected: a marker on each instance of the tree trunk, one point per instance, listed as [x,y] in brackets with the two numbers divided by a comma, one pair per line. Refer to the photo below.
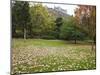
[75,41]
[92,46]
[24,33]
[13,31]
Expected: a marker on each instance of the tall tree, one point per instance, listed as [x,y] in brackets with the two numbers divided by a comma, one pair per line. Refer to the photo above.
[41,19]
[59,23]
[21,16]
[86,17]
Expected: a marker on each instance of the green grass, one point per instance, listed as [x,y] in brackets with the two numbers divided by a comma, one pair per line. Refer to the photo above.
[38,55]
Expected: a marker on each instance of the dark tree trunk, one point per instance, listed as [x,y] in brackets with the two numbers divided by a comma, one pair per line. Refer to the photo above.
[92,46]
[13,33]
[75,41]
[94,42]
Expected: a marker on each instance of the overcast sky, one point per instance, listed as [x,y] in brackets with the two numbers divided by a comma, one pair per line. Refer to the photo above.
[93,2]
[70,8]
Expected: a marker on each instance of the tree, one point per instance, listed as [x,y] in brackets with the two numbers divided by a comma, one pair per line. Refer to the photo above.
[42,21]
[86,19]
[20,17]
[69,31]
[59,23]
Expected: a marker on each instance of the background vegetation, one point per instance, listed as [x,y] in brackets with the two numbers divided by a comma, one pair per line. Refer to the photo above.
[39,21]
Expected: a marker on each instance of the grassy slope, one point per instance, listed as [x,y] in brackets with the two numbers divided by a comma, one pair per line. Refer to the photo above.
[38,55]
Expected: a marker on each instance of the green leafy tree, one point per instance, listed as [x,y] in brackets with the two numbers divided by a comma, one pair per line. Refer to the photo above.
[59,23]
[69,31]
[20,17]
[42,21]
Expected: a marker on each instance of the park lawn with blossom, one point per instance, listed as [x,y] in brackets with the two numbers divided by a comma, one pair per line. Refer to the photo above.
[38,55]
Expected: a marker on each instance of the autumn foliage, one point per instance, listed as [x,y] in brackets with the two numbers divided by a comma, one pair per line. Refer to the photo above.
[86,19]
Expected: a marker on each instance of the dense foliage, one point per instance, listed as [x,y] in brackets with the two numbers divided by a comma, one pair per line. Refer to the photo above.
[42,21]
[20,19]
[86,19]
[69,31]
[38,21]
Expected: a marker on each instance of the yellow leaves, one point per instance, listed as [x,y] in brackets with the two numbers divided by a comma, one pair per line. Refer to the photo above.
[36,58]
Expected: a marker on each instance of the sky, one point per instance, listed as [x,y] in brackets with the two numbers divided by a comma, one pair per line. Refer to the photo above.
[93,2]
[70,8]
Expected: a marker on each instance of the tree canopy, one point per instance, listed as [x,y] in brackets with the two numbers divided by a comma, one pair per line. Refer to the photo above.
[39,21]
[42,21]
[20,17]
[86,18]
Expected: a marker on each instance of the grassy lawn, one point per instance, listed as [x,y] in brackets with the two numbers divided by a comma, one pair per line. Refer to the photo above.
[38,55]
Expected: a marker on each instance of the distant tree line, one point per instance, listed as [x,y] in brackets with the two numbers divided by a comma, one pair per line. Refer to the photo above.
[37,22]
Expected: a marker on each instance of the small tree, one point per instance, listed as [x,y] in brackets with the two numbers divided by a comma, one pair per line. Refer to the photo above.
[69,31]
[59,23]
